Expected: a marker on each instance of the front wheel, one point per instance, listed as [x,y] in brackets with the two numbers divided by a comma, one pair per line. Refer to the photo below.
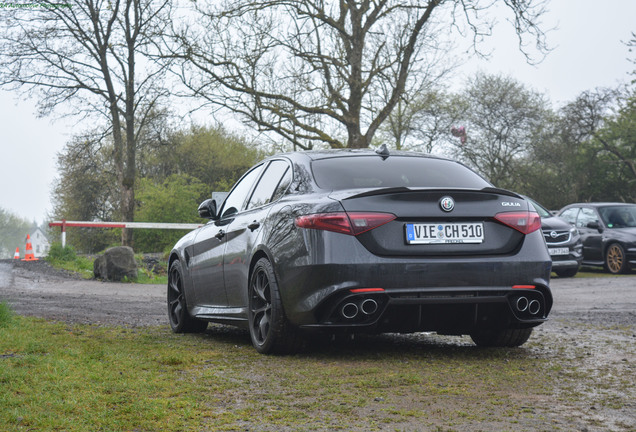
[615,260]
[180,319]
[501,338]
[270,330]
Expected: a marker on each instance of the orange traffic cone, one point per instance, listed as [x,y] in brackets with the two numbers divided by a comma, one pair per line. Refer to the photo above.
[28,254]
[17,253]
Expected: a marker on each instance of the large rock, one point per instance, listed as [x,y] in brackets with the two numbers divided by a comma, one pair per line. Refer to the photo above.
[116,264]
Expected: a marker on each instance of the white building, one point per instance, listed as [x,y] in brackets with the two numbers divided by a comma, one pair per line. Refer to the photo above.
[40,243]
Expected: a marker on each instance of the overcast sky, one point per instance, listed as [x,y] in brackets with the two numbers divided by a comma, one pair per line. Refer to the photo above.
[588,53]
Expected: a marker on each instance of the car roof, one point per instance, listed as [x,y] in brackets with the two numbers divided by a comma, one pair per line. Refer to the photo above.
[599,204]
[337,153]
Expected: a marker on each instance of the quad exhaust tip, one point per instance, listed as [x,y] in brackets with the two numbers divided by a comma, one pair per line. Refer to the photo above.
[522,304]
[369,307]
[533,307]
[351,310]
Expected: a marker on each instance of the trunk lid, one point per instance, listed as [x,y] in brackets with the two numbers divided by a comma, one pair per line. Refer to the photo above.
[423,228]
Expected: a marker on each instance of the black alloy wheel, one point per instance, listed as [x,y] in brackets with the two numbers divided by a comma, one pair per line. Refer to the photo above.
[180,319]
[270,330]
[615,260]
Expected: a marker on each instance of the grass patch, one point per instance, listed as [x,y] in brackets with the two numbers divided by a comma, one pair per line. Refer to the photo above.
[66,258]
[146,277]
[151,273]
[77,378]
[57,376]
[6,314]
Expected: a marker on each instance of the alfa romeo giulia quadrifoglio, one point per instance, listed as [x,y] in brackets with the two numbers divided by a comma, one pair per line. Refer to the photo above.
[362,241]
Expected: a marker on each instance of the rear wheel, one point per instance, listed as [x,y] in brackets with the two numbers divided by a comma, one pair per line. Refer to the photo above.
[501,338]
[180,319]
[270,330]
[615,260]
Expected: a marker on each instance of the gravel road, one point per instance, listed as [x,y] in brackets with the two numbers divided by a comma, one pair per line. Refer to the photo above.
[36,289]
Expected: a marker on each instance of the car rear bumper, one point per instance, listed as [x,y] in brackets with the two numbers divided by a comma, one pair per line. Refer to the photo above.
[444,294]
[451,310]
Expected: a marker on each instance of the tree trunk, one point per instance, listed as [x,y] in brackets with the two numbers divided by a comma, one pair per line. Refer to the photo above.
[356,139]
[129,168]
[126,195]
[128,205]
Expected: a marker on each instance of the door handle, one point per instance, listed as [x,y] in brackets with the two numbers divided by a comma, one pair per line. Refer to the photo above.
[253,226]
[220,234]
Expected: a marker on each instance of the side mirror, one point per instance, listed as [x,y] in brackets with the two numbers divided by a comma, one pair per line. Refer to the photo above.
[594,225]
[207,209]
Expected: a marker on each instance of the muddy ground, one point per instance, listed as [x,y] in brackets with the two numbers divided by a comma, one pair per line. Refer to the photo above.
[591,333]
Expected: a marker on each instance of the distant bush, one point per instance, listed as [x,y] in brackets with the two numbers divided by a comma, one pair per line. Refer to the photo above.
[62,254]
[66,258]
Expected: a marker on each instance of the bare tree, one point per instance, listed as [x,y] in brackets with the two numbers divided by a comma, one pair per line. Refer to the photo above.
[86,189]
[608,116]
[587,152]
[422,120]
[326,71]
[503,120]
[90,58]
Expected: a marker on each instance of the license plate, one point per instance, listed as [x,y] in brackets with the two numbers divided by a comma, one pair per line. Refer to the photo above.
[437,233]
[559,251]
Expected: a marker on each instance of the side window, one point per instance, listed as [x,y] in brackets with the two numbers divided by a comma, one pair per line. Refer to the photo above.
[268,184]
[236,199]
[570,215]
[586,216]
[283,184]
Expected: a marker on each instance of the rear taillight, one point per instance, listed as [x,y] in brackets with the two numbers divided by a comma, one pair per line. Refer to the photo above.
[524,222]
[524,286]
[353,223]
[366,290]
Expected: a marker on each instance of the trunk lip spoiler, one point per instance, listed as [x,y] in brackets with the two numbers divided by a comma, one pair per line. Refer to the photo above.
[403,189]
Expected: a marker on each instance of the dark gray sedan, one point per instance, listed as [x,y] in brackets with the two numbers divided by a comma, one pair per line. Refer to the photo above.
[363,241]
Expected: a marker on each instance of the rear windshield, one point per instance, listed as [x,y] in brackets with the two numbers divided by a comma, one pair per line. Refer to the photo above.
[394,171]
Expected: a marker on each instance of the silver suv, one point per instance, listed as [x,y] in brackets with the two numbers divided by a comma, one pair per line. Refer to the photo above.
[563,241]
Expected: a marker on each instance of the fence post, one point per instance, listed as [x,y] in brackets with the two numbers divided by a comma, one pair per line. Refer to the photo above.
[63,233]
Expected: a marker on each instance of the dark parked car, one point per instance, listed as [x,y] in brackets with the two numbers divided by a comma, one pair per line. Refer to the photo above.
[563,241]
[363,241]
[608,231]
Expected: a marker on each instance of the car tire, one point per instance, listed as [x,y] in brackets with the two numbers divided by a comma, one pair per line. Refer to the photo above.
[270,330]
[178,315]
[615,259]
[501,338]
[567,273]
